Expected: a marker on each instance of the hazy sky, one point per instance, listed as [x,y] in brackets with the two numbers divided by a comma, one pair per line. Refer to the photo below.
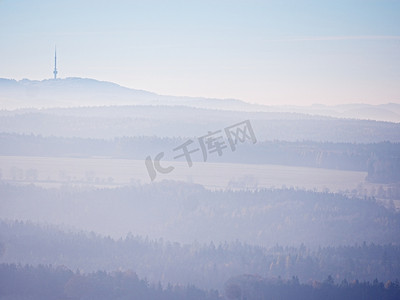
[269,52]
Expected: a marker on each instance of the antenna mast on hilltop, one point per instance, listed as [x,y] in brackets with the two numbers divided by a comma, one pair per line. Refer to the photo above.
[55,63]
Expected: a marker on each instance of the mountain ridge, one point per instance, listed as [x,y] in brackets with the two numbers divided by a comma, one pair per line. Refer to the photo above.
[80,92]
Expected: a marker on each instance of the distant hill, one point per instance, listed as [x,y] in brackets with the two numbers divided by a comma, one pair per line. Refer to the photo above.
[73,92]
[105,122]
[389,112]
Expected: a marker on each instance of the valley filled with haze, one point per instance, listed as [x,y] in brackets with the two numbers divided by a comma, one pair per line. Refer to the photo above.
[294,188]
[223,150]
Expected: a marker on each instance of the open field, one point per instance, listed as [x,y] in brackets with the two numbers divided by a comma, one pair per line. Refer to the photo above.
[107,172]
[49,171]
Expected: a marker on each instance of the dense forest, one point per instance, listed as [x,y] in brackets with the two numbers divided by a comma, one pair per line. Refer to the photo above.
[208,265]
[47,282]
[255,287]
[380,160]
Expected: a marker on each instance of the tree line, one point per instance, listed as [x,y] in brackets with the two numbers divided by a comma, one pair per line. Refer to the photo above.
[56,282]
[47,282]
[255,287]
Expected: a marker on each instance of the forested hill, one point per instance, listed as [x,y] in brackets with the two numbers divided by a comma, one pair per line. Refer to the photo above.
[209,266]
[180,121]
[175,211]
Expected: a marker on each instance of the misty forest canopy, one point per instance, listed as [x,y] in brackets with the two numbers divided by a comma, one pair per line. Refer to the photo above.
[185,212]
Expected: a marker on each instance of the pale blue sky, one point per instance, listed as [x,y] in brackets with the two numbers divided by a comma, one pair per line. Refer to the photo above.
[268,52]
